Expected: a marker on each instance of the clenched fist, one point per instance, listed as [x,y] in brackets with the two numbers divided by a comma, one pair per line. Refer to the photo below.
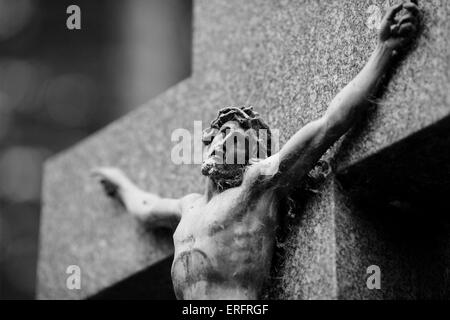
[399,30]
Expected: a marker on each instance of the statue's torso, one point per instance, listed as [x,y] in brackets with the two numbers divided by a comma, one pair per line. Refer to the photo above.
[223,248]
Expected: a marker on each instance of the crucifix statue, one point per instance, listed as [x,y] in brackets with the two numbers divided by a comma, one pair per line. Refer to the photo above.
[224,238]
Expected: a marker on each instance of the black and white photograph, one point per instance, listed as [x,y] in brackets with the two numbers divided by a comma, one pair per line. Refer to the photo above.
[263,150]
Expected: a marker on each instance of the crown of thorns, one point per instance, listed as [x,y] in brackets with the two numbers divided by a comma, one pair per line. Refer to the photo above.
[247,119]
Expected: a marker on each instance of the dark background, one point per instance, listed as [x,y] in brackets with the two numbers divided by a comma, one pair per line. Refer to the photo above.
[58,86]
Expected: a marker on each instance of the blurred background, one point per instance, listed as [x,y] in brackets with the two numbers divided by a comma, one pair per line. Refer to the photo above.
[58,86]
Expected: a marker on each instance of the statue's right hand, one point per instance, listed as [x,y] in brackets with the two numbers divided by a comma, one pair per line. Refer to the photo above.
[117,185]
[112,179]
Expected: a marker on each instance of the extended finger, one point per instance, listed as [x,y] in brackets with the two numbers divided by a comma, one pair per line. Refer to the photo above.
[393,11]
[394,29]
[114,175]
[101,173]
[408,19]
[412,8]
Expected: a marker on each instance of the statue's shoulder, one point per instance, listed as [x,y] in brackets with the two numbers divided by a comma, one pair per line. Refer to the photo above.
[262,171]
[190,199]
[260,177]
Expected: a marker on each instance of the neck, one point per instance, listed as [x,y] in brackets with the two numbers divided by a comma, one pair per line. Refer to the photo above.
[210,189]
[215,187]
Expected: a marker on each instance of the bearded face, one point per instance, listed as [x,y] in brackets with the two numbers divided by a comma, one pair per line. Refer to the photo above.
[229,153]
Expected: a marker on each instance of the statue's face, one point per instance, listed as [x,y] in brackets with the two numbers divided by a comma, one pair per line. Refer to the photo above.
[229,150]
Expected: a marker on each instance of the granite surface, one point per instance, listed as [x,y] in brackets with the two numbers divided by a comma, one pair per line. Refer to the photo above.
[291,58]
[288,59]
[304,267]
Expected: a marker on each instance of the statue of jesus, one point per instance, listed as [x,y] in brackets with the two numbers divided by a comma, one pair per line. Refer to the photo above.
[224,238]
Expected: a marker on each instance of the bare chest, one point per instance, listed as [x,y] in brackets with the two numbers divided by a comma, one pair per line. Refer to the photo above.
[224,243]
[228,214]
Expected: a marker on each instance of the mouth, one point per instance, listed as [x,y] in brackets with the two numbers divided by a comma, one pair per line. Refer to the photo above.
[215,158]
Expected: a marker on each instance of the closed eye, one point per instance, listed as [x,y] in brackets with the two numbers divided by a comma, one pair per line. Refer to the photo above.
[224,129]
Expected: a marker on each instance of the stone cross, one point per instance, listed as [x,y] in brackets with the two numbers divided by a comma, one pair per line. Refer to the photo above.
[380,211]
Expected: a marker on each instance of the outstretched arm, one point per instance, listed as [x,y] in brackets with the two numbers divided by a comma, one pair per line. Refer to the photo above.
[304,149]
[143,205]
[355,97]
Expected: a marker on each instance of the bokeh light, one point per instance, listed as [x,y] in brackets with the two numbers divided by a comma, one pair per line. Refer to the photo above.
[57,86]
[18,83]
[14,17]
[68,99]
[5,122]
[20,169]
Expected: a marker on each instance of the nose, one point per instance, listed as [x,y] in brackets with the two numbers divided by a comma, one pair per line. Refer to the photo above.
[218,149]
[227,137]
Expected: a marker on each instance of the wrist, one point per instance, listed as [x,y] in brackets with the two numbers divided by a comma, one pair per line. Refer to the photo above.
[383,54]
[384,49]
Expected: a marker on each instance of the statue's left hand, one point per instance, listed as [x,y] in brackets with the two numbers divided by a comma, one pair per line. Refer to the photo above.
[397,33]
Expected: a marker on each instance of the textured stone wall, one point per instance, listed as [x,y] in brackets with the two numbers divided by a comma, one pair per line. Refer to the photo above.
[288,59]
